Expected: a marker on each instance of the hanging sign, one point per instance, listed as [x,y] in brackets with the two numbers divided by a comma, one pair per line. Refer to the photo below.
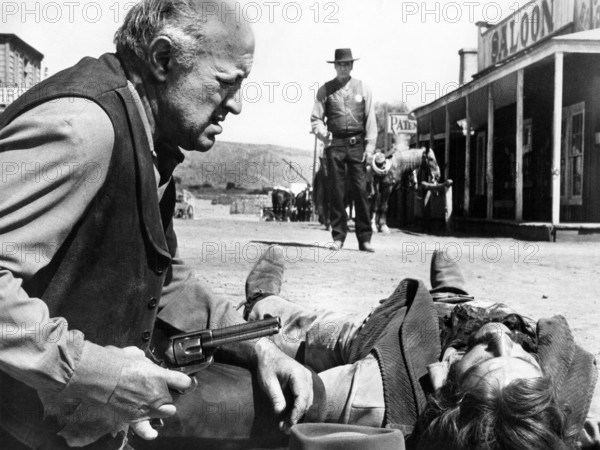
[401,124]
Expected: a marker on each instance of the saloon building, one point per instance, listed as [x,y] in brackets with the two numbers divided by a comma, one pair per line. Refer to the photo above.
[20,68]
[520,137]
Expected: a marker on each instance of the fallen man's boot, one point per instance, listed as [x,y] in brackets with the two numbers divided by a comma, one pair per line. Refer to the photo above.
[265,278]
[447,281]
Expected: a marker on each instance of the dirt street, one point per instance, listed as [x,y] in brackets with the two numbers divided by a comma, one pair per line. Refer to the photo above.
[539,279]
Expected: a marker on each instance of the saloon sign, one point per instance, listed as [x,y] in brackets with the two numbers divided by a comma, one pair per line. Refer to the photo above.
[401,124]
[536,21]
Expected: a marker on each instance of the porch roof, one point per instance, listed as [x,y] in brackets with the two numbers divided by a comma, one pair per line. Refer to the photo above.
[581,42]
[588,35]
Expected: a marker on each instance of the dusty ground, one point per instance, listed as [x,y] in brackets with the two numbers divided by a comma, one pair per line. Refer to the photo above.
[538,279]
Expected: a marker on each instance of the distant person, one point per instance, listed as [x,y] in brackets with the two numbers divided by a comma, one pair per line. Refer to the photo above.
[344,119]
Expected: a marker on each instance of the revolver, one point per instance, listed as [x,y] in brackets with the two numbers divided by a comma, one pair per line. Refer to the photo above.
[192,352]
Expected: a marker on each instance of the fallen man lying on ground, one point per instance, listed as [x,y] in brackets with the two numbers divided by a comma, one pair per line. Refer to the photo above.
[448,371]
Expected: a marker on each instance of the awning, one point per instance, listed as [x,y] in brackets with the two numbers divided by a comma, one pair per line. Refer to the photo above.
[581,42]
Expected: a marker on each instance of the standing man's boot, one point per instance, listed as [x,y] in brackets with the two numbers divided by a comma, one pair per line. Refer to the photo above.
[366,247]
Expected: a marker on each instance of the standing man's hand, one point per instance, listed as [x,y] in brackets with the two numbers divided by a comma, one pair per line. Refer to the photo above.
[329,140]
[325,137]
[370,148]
[368,157]
[278,372]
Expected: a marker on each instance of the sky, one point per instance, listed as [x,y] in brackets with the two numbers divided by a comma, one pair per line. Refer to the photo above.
[407,50]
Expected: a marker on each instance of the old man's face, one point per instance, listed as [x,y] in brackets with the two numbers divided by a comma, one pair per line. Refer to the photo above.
[194,103]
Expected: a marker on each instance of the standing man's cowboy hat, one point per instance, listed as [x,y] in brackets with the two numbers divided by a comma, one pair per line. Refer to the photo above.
[343,55]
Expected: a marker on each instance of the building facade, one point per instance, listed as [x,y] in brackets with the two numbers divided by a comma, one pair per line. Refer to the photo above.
[20,68]
[521,137]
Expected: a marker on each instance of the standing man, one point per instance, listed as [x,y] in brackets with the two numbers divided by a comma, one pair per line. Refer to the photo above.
[89,272]
[344,119]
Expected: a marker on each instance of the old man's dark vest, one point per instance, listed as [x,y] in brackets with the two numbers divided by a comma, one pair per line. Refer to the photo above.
[107,277]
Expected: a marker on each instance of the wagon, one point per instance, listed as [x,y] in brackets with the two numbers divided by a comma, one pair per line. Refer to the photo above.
[184,208]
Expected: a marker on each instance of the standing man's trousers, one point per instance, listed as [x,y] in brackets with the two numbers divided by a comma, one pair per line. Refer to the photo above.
[347,161]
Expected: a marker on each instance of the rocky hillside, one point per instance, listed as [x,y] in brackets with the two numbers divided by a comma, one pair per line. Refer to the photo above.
[248,167]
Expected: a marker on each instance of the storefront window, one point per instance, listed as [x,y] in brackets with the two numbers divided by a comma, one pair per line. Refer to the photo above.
[571,187]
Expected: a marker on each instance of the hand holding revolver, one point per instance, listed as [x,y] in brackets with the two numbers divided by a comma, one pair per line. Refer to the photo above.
[143,392]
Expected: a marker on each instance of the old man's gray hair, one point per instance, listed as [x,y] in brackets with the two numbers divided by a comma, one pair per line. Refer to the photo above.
[184,22]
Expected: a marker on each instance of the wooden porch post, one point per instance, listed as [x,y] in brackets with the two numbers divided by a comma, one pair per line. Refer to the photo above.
[417,140]
[490,155]
[556,136]
[468,156]
[519,156]
[386,141]
[431,138]
[447,147]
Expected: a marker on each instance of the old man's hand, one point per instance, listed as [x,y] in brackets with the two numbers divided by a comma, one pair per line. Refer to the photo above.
[143,392]
[278,373]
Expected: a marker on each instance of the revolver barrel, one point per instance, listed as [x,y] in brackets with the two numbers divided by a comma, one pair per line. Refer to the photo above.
[190,348]
[242,332]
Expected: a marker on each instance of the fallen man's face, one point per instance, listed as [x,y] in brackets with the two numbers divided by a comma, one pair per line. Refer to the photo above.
[494,358]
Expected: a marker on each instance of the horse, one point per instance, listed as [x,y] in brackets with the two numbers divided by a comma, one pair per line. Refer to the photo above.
[283,202]
[304,205]
[403,169]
